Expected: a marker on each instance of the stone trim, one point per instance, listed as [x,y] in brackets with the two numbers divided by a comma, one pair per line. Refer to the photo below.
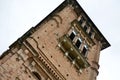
[60,18]
[95,70]
[96,63]
[47,63]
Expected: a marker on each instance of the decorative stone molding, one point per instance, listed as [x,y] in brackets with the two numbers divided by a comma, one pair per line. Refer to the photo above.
[96,63]
[60,18]
[46,62]
[22,54]
[95,70]
[31,49]
[55,21]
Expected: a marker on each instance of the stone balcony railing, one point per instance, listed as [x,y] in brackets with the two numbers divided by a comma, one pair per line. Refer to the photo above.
[72,52]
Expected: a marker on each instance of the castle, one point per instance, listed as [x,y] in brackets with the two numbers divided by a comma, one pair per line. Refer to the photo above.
[65,45]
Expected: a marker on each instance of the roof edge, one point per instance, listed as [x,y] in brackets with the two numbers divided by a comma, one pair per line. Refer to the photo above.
[105,43]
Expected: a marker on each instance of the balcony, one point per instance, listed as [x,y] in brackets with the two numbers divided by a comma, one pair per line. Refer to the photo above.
[72,52]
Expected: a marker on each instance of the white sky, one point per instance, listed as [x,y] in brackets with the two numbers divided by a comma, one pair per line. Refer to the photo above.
[18,16]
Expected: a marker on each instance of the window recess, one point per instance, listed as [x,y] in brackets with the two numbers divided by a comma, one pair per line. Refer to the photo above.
[72,35]
[84,51]
[78,43]
[82,20]
[91,33]
[85,28]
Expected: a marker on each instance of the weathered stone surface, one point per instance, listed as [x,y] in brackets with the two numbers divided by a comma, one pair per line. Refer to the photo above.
[39,54]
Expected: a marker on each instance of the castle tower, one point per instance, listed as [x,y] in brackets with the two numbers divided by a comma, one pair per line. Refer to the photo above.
[64,46]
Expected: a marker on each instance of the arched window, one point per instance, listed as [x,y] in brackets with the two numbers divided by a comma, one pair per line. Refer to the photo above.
[37,76]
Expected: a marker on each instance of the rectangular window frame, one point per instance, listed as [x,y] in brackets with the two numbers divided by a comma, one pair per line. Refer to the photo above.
[72,32]
[76,43]
[85,53]
[82,20]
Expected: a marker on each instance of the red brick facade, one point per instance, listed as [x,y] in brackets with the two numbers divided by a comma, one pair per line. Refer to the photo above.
[64,46]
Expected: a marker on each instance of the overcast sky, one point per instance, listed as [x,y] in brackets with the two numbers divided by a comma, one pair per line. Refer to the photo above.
[18,16]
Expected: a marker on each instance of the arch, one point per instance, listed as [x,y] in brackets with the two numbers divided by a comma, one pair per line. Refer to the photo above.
[37,76]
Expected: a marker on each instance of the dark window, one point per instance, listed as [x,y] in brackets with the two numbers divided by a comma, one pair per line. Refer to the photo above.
[85,28]
[72,36]
[84,51]
[78,43]
[90,34]
[81,20]
[38,77]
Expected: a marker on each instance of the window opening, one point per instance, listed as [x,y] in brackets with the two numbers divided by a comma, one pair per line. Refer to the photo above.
[37,75]
[78,42]
[84,51]
[90,34]
[81,20]
[85,28]
[72,35]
